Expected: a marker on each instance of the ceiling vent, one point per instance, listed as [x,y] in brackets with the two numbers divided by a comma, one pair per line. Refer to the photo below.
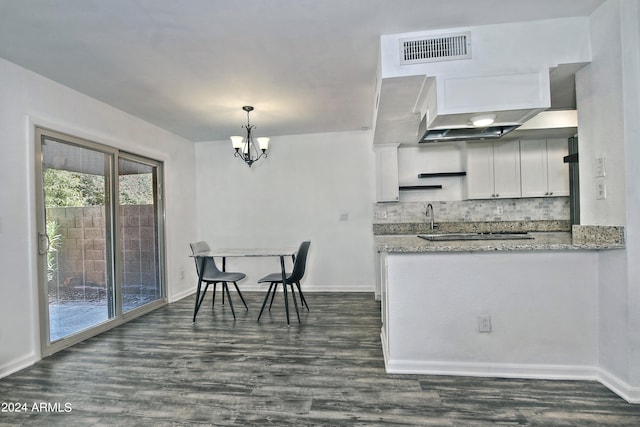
[444,47]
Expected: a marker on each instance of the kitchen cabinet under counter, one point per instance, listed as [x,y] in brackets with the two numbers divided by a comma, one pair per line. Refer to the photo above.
[508,308]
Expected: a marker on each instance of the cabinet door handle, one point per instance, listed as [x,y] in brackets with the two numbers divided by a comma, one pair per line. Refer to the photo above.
[551,193]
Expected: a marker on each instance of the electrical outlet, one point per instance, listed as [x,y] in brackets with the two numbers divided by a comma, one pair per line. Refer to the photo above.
[181,274]
[484,323]
[499,210]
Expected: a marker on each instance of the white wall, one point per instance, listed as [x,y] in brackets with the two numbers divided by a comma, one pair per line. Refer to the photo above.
[630,20]
[27,99]
[599,93]
[608,95]
[299,192]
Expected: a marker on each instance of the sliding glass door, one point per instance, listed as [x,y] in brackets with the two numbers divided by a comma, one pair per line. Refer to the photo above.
[99,238]
[138,232]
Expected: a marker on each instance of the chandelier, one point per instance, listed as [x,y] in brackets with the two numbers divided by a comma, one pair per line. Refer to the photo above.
[245,147]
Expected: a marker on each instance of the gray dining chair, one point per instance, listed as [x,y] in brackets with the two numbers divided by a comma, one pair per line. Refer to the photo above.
[209,273]
[291,279]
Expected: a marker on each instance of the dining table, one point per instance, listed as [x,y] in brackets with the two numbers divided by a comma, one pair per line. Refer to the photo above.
[248,252]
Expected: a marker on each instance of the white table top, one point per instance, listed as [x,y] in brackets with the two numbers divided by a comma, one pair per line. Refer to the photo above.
[247,252]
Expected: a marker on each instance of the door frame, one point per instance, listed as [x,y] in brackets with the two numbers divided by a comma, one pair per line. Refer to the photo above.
[160,215]
[46,347]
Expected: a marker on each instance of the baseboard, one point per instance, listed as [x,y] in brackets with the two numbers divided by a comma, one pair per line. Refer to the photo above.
[263,288]
[500,370]
[621,388]
[16,365]
[383,340]
[506,370]
[337,288]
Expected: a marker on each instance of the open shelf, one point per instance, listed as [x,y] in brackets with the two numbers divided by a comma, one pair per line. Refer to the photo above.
[420,187]
[441,174]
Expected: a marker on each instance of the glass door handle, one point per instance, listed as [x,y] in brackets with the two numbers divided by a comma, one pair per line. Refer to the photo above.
[43,243]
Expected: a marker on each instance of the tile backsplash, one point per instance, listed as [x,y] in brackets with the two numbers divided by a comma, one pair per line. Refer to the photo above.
[531,209]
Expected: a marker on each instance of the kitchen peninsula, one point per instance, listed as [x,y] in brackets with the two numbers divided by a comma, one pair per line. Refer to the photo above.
[511,308]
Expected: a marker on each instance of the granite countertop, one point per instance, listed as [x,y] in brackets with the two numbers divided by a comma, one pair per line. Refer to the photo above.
[580,238]
[470,227]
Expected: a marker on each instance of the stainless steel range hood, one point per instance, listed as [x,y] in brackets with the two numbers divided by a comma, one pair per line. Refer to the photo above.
[462,134]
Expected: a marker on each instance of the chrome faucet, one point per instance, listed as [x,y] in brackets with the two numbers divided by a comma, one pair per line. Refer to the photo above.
[431,216]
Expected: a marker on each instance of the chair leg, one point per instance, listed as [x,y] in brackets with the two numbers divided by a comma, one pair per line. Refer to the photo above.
[241,297]
[273,295]
[213,301]
[295,303]
[303,301]
[286,302]
[199,300]
[226,288]
[264,303]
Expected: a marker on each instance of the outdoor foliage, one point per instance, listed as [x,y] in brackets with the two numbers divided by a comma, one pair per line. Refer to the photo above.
[73,189]
[136,189]
[55,240]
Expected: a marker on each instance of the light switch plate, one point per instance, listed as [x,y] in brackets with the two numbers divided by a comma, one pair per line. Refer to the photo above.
[600,167]
[601,189]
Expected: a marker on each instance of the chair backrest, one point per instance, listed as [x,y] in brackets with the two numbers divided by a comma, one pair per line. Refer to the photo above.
[199,247]
[300,263]
[210,267]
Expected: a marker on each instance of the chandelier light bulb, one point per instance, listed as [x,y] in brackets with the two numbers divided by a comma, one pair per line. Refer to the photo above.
[263,143]
[236,141]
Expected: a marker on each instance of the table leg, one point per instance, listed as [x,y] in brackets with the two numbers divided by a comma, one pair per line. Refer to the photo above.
[224,268]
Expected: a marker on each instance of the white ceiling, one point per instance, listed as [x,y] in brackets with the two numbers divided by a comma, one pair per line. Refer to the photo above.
[189,66]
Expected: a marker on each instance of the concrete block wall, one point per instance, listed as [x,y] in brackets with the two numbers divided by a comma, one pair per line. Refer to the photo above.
[138,244]
[80,252]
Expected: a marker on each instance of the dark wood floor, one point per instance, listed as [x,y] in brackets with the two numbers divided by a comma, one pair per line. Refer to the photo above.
[162,370]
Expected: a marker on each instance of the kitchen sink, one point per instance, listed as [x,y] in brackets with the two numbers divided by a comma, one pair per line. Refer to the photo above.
[475,236]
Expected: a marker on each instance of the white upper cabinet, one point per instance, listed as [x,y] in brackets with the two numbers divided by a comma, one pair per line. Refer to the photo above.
[506,167]
[493,170]
[533,157]
[480,181]
[386,169]
[557,169]
[543,170]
